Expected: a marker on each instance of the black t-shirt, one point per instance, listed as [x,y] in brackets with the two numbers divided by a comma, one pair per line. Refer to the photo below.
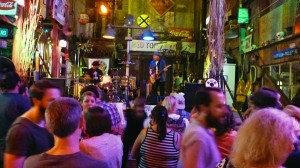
[293,161]
[134,123]
[12,105]
[95,75]
[25,138]
[76,160]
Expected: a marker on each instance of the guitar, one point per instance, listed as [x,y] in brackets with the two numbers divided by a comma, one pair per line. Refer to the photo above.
[154,76]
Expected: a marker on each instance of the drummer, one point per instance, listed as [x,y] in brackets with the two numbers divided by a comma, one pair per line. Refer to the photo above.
[94,74]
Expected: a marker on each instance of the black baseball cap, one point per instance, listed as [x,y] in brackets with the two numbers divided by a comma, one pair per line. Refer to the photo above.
[157,53]
[265,97]
[96,63]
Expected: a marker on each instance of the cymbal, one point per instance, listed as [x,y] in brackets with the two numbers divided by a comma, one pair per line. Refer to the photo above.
[125,63]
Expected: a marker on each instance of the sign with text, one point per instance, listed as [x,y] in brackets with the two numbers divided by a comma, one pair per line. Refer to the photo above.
[3,32]
[181,32]
[151,46]
[285,53]
[8,7]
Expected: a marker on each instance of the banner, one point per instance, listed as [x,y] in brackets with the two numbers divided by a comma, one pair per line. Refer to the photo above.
[152,46]
[8,7]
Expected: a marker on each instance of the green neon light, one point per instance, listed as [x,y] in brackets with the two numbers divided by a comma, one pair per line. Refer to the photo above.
[243,15]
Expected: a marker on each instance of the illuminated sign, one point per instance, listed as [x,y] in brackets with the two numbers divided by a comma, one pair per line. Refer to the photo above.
[8,7]
[243,15]
[3,32]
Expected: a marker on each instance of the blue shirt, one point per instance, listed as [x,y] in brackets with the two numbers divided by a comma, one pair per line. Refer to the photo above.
[161,66]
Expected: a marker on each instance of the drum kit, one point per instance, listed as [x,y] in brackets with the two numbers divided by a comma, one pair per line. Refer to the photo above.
[114,87]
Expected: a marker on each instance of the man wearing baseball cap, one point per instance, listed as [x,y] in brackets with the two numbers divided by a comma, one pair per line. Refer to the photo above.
[157,70]
[94,74]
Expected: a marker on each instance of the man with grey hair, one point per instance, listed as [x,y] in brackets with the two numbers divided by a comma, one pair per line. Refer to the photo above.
[65,121]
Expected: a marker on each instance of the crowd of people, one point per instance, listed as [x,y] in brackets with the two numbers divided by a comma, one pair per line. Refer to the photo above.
[39,128]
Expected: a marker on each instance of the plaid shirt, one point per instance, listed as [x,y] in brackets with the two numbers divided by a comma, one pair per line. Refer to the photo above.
[184,114]
[113,111]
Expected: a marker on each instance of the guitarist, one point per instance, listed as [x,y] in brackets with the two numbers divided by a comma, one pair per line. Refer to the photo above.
[157,70]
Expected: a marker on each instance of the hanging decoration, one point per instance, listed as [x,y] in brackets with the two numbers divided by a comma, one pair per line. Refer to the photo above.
[216,36]
[25,38]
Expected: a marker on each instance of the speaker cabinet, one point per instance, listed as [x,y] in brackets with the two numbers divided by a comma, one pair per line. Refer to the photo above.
[189,94]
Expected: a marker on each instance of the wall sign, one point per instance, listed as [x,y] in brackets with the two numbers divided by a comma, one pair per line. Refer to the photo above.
[8,7]
[181,32]
[162,6]
[3,32]
[151,46]
[285,53]
[143,20]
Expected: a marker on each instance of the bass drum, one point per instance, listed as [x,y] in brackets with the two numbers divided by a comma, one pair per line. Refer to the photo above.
[106,79]
[106,82]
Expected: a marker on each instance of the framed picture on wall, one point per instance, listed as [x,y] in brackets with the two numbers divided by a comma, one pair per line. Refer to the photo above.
[104,64]
[247,43]
[59,11]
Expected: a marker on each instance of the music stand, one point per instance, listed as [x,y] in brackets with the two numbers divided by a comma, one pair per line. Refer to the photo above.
[224,85]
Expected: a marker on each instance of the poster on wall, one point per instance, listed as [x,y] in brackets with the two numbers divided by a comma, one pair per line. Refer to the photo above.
[60,11]
[104,64]
[8,7]
[247,44]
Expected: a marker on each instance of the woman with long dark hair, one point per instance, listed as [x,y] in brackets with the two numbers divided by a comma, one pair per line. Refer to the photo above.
[157,145]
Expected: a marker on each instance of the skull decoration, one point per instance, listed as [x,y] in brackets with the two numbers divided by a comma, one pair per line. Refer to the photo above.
[280,35]
[211,83]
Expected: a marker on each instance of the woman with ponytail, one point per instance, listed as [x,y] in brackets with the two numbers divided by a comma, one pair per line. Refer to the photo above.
[157,145]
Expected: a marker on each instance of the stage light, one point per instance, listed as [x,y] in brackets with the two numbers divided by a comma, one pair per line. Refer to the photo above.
[110,32]
[103,10]
[148,35]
